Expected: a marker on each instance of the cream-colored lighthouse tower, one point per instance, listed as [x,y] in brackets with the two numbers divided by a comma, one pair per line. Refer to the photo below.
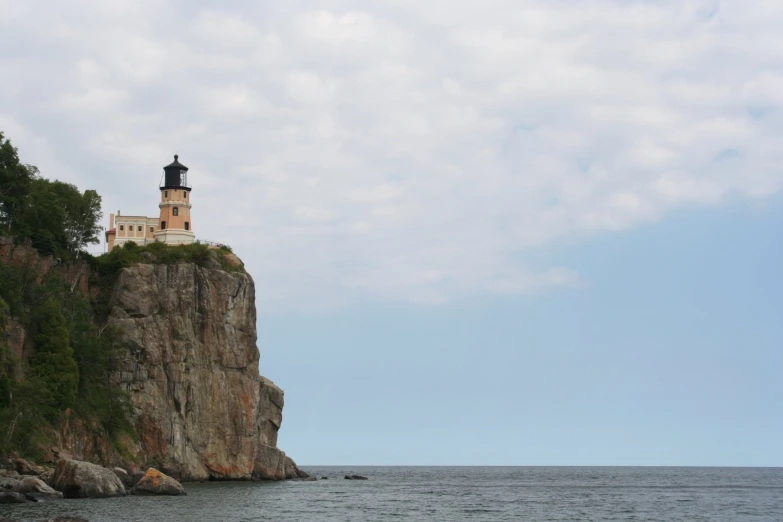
[175,226]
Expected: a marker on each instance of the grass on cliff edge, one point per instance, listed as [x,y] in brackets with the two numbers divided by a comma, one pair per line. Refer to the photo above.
[106,268]
[131,254]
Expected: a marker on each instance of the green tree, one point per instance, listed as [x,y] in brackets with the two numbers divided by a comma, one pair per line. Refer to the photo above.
[87,228]
[81,215]
[59,219]
[42,219]
[54,215]
[54,363]
[15,180]
[23,422]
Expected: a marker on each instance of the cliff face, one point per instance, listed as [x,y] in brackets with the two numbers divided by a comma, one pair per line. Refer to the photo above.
[200,407]
[26,256]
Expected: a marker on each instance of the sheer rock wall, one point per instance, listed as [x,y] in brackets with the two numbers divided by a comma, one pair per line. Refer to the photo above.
[200,407]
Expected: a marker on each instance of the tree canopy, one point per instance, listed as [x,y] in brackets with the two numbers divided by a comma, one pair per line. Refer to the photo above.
[55,216]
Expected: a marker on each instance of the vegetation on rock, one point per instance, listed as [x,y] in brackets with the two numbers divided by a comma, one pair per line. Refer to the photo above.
[159,253]
[54,363]
[68,374]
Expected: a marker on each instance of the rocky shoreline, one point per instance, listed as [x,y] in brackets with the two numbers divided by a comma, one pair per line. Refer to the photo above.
[22,482]
[27,483]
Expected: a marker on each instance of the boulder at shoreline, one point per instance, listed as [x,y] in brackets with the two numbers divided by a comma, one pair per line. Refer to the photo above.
[24,467]
[77,479]
[8,484]
[36,489]
[13,498]
[156,483]
[124,477]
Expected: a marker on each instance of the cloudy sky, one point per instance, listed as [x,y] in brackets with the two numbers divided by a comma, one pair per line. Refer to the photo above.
[500,232]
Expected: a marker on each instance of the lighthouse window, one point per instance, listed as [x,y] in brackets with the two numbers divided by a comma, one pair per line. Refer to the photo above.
[176,211]
[187,225]
[186,195]
[165,193]
[163,225]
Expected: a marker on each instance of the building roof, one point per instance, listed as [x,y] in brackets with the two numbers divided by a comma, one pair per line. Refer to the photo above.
[176,164]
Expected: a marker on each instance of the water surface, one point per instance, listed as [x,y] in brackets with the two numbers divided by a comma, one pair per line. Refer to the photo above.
[458,494]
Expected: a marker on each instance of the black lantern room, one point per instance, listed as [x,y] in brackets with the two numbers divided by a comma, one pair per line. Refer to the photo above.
[176,176]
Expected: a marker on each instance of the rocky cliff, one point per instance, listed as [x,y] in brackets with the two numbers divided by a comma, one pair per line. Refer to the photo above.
[201,409]
[189,364]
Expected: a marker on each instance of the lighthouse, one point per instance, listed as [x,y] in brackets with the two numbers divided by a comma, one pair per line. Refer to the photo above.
[174,225]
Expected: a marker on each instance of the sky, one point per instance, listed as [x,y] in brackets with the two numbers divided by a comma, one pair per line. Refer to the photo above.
[501,232]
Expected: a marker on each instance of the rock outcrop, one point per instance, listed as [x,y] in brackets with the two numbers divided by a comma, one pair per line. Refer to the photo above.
[201,409]
[13,498]
[23,467]
[156,483]
[33,487]
[126,479]
[8,483]
[355,477]
[77,479]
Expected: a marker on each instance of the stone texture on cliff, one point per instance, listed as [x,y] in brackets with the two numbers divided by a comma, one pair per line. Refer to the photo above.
[200,407]
[273,464]
[269,464]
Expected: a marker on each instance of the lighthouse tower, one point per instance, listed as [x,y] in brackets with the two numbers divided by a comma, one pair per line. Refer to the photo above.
[175,227]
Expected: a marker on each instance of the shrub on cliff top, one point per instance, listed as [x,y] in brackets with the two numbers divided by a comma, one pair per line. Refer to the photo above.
[130,254]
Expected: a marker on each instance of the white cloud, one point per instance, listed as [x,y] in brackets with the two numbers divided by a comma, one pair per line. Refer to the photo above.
[408,150]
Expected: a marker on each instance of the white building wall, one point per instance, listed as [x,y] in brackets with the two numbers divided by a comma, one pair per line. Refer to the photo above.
[132,228]
[173,236]
[144,230]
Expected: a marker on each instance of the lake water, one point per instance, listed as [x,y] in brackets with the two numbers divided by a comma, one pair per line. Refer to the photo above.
[455,494]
